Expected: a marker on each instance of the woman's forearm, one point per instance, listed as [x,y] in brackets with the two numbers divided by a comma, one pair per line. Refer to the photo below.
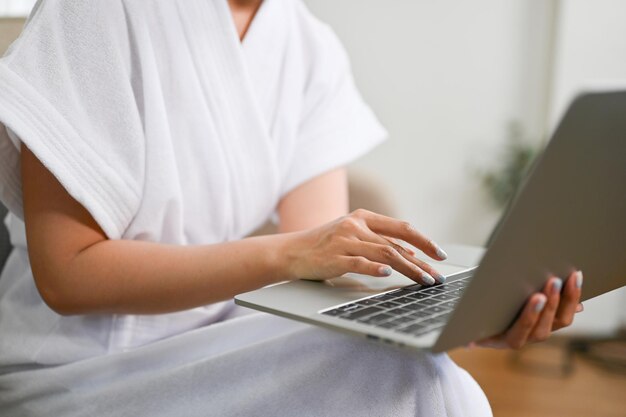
[78,270]
[133,277]
[142,277]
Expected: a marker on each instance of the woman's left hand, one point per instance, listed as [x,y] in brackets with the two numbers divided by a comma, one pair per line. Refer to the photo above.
[544,313]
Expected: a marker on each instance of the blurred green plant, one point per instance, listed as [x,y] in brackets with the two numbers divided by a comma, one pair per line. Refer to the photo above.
[515,160]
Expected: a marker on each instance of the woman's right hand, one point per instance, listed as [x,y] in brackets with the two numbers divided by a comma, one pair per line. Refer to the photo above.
[365,243]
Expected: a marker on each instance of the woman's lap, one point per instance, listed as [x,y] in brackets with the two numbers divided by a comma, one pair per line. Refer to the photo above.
[254,365]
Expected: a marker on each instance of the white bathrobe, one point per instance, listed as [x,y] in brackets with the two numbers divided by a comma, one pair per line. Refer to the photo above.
[166,128]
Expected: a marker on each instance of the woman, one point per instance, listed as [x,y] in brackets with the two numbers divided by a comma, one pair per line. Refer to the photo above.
[143,142]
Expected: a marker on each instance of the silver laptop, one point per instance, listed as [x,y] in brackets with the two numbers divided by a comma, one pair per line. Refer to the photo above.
[570,214]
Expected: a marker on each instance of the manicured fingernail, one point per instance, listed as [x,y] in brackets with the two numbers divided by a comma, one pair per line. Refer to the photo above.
[428,279]
[440,252]
[557,285]
[540,305]
[579,279]
[385,270]
[440,278]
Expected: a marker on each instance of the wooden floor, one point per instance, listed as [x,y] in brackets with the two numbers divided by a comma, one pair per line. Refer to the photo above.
[529,383]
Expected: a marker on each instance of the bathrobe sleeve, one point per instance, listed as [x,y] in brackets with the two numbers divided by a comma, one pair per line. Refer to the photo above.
[336,125]
[66,92]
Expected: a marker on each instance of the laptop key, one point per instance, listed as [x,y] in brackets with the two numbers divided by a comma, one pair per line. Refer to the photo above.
[376,318]
[415,306]
[445,297]
[428,302]
[403,300]
[444,317]
[446,287]
[400,293]
[367,302]
[362,313]
[399,311]
[456,293]
[456,284]
[434,322]
[419,295]
[403,319]
[449,304]
[412,328]
[388,304]
[388,324]
[383,297]
[398,322]
[433,291]
[436,309]
[419,314]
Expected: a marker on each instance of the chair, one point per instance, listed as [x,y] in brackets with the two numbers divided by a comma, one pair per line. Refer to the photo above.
[5,243]
[10,28]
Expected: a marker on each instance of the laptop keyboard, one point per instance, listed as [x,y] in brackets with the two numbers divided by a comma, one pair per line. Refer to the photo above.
[414,310]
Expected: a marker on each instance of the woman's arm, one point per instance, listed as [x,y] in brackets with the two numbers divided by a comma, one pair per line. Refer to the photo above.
[78,270]
[315,202]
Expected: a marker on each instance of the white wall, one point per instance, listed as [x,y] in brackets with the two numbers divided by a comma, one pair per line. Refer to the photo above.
[591,49]
[445,78]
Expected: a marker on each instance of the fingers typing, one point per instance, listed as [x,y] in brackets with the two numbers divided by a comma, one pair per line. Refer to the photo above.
[384,253]
[388,226]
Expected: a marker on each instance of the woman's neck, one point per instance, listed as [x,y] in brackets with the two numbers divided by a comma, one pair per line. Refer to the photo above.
[243,12]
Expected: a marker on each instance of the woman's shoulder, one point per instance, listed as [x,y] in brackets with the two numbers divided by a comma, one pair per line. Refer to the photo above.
[321,49]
